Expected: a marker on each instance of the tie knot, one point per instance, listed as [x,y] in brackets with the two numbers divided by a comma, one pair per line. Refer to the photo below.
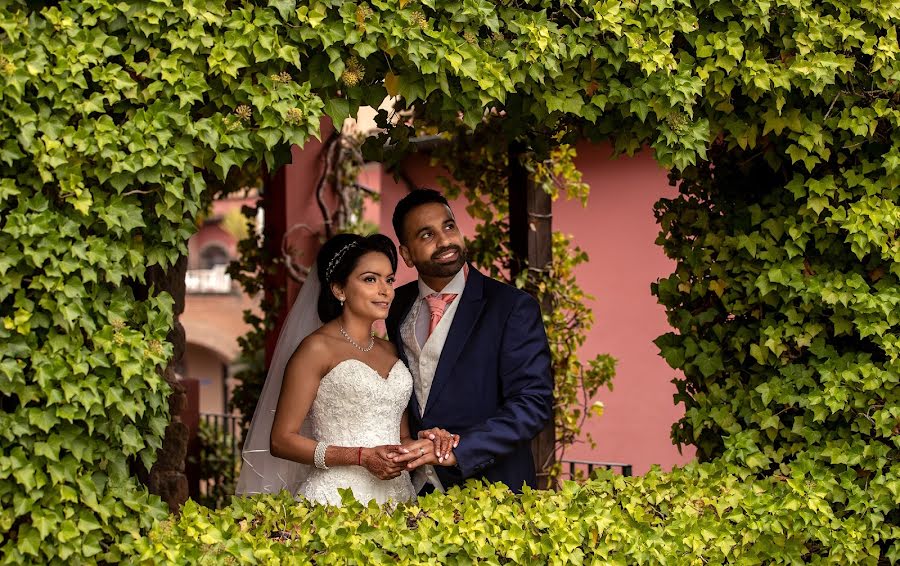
[437,302]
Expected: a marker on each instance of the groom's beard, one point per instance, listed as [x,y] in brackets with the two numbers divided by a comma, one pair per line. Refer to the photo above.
[434,269]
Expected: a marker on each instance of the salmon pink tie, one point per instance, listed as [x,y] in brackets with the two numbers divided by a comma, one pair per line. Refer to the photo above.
[437,304]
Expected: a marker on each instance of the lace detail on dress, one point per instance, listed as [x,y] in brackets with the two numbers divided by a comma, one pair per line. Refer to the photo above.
[356,406]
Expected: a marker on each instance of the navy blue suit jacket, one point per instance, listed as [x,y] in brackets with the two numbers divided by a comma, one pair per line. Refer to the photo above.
[493,385]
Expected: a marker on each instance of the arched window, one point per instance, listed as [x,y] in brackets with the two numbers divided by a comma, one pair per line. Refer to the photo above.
[213,255]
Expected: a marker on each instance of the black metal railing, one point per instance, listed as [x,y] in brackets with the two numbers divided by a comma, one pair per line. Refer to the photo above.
[583,469]
[217,457]
[227,427]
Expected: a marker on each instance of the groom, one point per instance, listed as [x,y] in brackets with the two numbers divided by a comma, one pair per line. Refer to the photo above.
[477,351]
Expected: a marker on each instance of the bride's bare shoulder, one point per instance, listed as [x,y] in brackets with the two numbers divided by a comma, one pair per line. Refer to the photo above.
[313,353]
[316,343]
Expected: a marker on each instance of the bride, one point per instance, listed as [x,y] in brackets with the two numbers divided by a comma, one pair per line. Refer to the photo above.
[332,413]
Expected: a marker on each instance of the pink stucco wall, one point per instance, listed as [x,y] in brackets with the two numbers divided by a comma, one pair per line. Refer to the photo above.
[618,231]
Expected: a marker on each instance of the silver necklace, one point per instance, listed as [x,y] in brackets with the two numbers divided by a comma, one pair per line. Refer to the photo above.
[352,341]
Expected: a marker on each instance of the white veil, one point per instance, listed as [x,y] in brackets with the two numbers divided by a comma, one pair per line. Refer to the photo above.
[261,472]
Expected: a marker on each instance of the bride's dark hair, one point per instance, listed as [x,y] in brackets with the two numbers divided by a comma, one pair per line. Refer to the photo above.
[338,258]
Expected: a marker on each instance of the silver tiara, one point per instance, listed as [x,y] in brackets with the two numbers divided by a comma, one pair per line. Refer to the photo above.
[336,260]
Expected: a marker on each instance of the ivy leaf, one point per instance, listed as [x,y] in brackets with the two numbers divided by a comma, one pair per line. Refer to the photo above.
[87,522]
[338,109]
[708,364]
[44,522]
[226,159]
[285,8]
[757,460]
[29,540]
[391,84]
[68,531]
[92,545]
[270,136]
[817,204]
[131,439]
[765,390]
[44,420]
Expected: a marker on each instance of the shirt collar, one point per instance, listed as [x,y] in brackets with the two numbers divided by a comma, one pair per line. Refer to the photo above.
[456,285]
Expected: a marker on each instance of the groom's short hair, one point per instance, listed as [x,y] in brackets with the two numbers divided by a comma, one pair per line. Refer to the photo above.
[415,199]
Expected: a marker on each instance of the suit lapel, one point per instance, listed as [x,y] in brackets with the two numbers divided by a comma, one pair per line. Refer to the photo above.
[467,314]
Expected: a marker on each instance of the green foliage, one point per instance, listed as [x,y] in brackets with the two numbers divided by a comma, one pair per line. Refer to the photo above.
[698,515]
[109,135]
[785,330]
[779,116]
[785,290]
[479,166]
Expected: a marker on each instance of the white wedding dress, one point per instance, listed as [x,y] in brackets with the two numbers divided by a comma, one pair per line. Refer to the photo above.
[356,406]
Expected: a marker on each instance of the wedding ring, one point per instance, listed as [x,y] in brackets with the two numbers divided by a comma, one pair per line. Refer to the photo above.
[421,451]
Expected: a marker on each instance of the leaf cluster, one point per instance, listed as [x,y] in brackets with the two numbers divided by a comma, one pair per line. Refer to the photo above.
[698,515]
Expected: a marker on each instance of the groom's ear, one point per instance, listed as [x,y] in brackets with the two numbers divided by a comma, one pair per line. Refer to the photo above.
[407,258]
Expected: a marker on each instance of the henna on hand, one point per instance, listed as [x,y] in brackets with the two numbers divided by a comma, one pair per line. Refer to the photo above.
[381,462]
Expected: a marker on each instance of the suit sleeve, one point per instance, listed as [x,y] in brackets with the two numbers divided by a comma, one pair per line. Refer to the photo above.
[527,391]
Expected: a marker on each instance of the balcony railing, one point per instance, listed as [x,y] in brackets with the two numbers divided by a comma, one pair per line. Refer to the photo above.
[208,281]
[215,459]
[582,469]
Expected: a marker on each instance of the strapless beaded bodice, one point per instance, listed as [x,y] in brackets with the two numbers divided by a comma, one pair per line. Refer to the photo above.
[356,406]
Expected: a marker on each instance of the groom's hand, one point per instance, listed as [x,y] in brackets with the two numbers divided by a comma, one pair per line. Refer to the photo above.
[444,442]
[422,453]
[381,461]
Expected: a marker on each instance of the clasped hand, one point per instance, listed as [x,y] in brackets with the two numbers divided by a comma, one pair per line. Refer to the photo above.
[434,446]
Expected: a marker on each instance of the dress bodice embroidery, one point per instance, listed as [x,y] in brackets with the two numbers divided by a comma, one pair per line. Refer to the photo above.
[356,406]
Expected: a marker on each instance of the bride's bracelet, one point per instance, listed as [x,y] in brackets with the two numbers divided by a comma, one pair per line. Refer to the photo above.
[319,456]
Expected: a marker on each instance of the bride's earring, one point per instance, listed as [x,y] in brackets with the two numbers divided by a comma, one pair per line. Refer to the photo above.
[342,302]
